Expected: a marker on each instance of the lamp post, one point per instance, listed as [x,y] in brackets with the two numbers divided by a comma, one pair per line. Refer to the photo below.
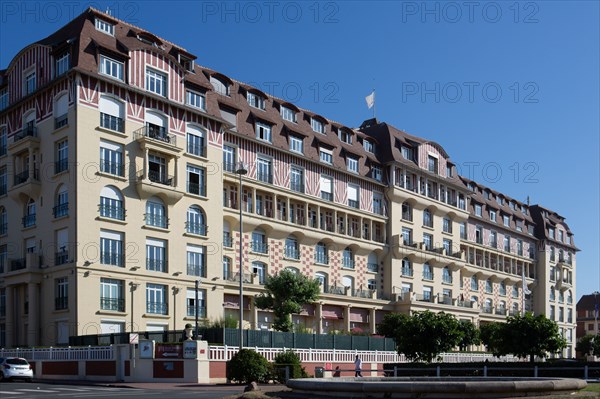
[132,287]
[196,309]
[241,170]
[596,293]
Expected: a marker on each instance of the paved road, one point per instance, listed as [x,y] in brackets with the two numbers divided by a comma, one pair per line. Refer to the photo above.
[35,390]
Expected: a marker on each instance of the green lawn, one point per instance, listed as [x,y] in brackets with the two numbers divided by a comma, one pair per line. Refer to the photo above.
[592,387]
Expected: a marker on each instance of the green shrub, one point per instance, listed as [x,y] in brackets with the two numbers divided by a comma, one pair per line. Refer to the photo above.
[247,366]
[290,360]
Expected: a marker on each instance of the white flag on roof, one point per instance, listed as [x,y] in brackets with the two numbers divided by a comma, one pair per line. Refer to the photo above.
[370,99]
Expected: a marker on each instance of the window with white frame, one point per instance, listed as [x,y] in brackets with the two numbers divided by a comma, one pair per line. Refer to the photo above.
[506,220]
[407,153]
[326,185]
[263,131]
[61,293]
[29,82]
[62,156]
[260,269]
[321,254]
[369,146]
[376,172]
[62,64]
[255,100]
[196,141]
[292,249]
[196,221]
[326,155]
[493,215]
[229,158]
[111,203]
[447,244]
[317,125]
[297,179]
[264,168]
[196,260]
[196,180]
[407,236]
[477,210]
[156,214]
[111,248]
[296,144]
[551,233]
[3,99]
[105,27]
[112,295]
[226,268]
[428,241]
[220,86]
[111,158]
[432,164]
[156,82]
[345,136]
[192,306]
[61,207]
[287,114]
[195,99]
[156,255]
[352,164]
[378,203]
[156,299]
[111,68]
[112,114]
[353,195]
[447,225]
[493,239]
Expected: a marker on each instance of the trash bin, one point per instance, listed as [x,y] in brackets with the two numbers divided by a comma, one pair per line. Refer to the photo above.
[319,372]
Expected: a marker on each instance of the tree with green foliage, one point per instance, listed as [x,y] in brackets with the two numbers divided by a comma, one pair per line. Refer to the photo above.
[422,336]
[588,345]
[286,293]
[525,336]
[469,334]
[247,366]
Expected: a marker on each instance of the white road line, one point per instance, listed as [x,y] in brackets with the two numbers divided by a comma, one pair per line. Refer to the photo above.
[72,389]
[36,390]
[10,393]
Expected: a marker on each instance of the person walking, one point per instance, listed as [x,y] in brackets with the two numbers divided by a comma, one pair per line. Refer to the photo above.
[357,367]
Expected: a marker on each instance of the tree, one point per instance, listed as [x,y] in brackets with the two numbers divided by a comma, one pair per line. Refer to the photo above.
[286,293]
[422,336]
[247,366]
[586,345]
[469,334]
[491,336]
[524,336]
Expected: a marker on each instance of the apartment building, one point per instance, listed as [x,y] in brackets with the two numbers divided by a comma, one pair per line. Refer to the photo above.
[120,191]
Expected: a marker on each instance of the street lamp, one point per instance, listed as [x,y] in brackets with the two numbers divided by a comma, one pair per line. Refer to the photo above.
[241,170]
[596,293]
[196,308]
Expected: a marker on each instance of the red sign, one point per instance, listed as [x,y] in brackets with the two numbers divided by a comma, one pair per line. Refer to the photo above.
[168,351]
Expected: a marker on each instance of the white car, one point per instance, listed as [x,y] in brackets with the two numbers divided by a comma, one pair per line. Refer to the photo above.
[15,368]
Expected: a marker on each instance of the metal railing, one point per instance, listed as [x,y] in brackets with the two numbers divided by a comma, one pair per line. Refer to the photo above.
[191,311]
[114,304]
[113,212]
[112,122]
[198,150]
[161,178]
[23,176]
[353,203]
[156,220]
[158,133]
[66,353]
[197,189]
[372,267]
[28,220]
[297,186]
[196,270]
[292,252]
[227,240]
[156,307]
[61,303]
[61,210]
[27,131]
[60,258]
[61,121]
[61,165]
[113,168]
[321,258]
[196,228]
[264,177]
[260,247]
[348,263]
[111,258]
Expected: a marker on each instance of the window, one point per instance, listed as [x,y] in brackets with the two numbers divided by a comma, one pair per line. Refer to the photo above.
[377,172]
[520,247]
[427,218]
[221,86]
[406,211]
[263,131]
[507,243]
[3,258]
[317,125]
[560,236]
[427,272]
[352,164]
[110,67]
[345,136]
[297,179]
[62,202]
[255,101]
[353,196]
[3,99]
[3,221]
[427,241]
[192,306]
[326,156]
[488,286]
[348,258]
[446,275]
[515,291]
[229,158]
[493,215]
[432,164]
[196,260]
[111,158]
[62,64]
[62,156]
[156,82]
[506,220]
[519,225]
[406,236]
[477,210]
[195,100]
[321,254]
[226,268]
[407,153]
[29,85]
[447,225]
[448,170]
[369,146]
[61,293]
[3,181]
[3,140]
[111,203]
[196,141]
[111,295]
[29,219]
[105,27]
[156,299]
[493,239]
[292,250]
[551,233]
[296,144]
[264,170]
[479,234]
[111,248]
[156,257]
[447,246]
[259,241]
[326,184]
[378,203]
[474,283]
[196,221]
[287,114]
[499,200]
[322,278]
[196,180]
[156,213]
[260,269]
[112,112]
[407,268]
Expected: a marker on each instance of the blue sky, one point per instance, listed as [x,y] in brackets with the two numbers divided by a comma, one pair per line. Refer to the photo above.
[509,89]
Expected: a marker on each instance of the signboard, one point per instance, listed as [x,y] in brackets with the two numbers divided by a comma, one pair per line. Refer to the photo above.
[146,349]
[190,349]
[168,351]
[134,338]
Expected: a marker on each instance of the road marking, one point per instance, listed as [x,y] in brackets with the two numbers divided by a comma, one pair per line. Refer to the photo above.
[36,390]
[72,389]
[10,393]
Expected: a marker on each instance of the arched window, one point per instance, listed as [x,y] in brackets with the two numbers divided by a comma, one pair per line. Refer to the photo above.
[348,282]
[196,221]
[227,238]
[474,283]
[292,269]
[3,221]
[502,288]
[156,126]
[227,275]
[29,218]
[111,203]
[515,309]
[561,297]
[61,202]
[406,211]
[447,275]
[515,291]
[569,297]
[407,268]
[427,218]
[487,307]
[488,286]
[552,294]
[61,105]
[291,249]
[156,214]
[322,278]
[372,262]
[260,269]
[259,241]
[502,306]
[112,114]
[348,258]
[321,254]
[427,272]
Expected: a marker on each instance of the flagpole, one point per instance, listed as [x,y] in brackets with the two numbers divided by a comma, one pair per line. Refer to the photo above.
[374,103]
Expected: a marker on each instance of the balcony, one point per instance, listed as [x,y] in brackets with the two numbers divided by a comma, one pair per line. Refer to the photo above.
[407,272]
[157,135]
[347,263]
[196,228]
[264,177]
[28,132]
[297,186]
[259,247]
[28,220]
[197,150]
[427,275]
[363,293]
[322,259]
[378,209]
[112,123]
[30,263]
[26,183]
[335,290]
[61,210]
[236,277]
[112,304]
[111,212]
[112,168]
[61,121]
[111,258]
[156,220]
[196,270]
[372,267]
[353,203]
[196,189]
[326,196]
[60,258]
[191,311]
[157,308]
[227,240]
[61,303]
[292,252]
[229,167]
[158,184]
[156,265]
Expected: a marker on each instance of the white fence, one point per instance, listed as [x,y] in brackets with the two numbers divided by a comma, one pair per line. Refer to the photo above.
[224,353]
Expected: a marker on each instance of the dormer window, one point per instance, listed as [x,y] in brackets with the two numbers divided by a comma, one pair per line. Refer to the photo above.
[317,125]
[376,172]
[499,200]
[222,87]
[29,86]
[448,171]
[3,99]
[471,186]
[255,101]
[369,146]
[345,136]
[407,153]
[186,63]
[296,144]
[263,131]
[432,164]
[62,64]
[352,164]
[325,155]
[287,114]
[195,99]
[110,67]
[105,27]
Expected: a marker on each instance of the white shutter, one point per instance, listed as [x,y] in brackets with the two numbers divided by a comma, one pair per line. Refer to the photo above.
[111,235]
[110,192]
[352,192]
[62,238]
[156,327]
[109,145]
[229,117]
[195,130]
[61,106]
[155,119]
[195,248]
[111,327]
[111,106]
[326,184]
[155,243]
[191,294]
